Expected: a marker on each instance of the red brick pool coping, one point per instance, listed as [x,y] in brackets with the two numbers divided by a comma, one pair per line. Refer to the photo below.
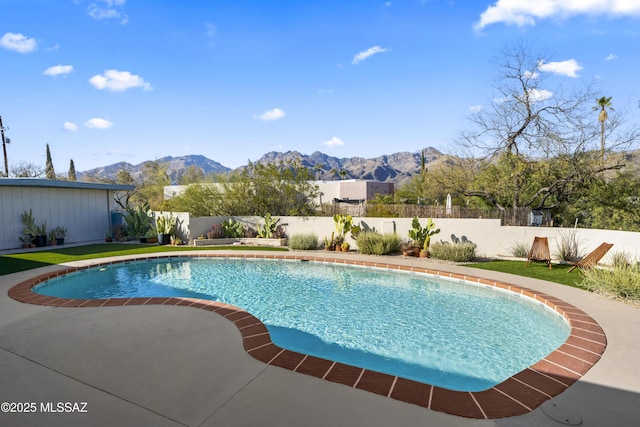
[518,395]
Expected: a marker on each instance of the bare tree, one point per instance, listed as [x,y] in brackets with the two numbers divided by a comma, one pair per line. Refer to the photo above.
[122,176]
[534,143]
[26,170]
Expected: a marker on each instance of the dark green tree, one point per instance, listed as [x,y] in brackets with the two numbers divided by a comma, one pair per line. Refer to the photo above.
[606,203]
[50,172]
[72,171]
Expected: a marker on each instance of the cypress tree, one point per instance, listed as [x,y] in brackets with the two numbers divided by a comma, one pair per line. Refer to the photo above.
[72,171]
[50,172]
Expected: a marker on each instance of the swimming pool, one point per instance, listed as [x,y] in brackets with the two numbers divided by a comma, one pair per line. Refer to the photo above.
[447,333]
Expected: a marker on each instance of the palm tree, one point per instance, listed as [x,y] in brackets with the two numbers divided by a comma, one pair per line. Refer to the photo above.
[602,104]
[343,174]
[317,168]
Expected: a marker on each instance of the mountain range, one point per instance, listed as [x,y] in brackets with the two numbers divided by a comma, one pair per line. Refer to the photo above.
[397,167]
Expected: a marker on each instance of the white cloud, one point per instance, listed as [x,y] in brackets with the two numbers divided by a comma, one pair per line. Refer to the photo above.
[568,68]
[108,9]
[270,115]
[211,30]
[115,153]
[324,91]
[58,70]
[334,142]
[527,12]
[539,95]
[71,127]
[367,53]
[18,42]
[98,123]
[531,75]
[118,81]
[610,57]
[475,108]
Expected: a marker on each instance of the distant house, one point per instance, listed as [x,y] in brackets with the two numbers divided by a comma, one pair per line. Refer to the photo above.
[83,208]
[351,190]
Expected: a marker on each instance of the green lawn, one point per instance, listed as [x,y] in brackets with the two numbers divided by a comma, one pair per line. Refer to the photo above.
[557,274]
[14,263]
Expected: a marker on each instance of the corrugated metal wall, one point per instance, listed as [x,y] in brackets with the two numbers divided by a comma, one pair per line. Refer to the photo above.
[84,212]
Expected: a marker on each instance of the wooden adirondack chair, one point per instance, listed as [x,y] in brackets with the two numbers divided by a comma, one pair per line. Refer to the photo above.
[539,251]
[592,259]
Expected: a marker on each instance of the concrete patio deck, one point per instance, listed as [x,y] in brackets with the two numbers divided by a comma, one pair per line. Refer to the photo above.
[172,365]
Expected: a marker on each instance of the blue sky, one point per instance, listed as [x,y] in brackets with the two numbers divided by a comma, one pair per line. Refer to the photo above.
[104,81]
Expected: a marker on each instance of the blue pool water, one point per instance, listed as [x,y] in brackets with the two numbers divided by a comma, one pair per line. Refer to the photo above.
[458,336]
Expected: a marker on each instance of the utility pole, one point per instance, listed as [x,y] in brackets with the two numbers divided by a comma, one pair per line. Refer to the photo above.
[4,149]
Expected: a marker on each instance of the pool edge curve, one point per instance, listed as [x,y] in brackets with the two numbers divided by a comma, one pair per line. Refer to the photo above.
[517,395]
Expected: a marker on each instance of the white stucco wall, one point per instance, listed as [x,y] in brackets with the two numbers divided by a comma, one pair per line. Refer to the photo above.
[492,239]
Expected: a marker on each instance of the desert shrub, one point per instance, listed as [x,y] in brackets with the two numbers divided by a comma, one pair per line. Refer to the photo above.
[619,282]
[620,259]
[519,250]
[458,252]
[568,248]
[373,243]
[303,242]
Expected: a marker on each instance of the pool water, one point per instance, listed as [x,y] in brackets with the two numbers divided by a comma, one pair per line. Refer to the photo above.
[451,334]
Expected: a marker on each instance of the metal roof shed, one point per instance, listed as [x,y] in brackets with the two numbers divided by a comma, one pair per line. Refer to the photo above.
[84,208]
